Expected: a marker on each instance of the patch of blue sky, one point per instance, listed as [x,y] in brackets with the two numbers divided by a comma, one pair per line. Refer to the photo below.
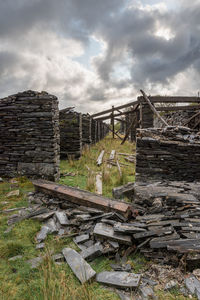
[94,48]
[171,4]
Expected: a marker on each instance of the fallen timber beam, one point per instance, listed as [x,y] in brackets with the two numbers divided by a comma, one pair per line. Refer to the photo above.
[81,197]
[115,108]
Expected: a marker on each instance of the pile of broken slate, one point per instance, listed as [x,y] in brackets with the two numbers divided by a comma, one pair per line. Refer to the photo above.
[164,226]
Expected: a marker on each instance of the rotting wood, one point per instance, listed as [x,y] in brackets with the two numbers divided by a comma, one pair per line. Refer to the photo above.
[100,158]
[116,108]
[81,197]
[99,188]
[118,167]
[131,125]
[153,108]
[112,155]
[114,132]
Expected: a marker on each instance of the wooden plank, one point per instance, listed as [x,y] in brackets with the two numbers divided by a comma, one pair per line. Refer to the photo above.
[116,108]
[116,115]
[100,158]
[118,167]
[99,184]
[112,155]
[80,197]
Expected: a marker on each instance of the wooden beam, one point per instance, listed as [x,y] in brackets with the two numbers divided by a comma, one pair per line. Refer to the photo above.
[114,132]
[129,129]
[153,108]
[116,108]
[171,99]
[116,115]
[80,197]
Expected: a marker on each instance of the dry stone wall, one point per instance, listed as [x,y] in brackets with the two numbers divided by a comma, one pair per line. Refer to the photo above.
[29,135]
[172,153]
[70,133]
[176,118]
[86,129]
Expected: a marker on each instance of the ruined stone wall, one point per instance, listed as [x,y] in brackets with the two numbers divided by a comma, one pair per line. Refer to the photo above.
[29,135]
[175,118]
[170,153]
[147,120]
[70,133]
[93,131]
[86,130]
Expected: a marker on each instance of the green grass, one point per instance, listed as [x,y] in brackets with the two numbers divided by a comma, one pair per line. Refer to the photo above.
[50,281]
[111,176]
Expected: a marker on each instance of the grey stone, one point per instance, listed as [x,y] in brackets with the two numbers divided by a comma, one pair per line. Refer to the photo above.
[58,257]
[35,262]
[15,258]
[81,238]
[119,279]
[146,292]
[170,285]
[42,234]
[62,218]
[79,266]
[40,246]
[193,285]
[106,231]
[92,252]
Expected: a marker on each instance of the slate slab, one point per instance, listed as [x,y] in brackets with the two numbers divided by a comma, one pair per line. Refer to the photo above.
[79,266]
[106,231]
[61,217]
[42,234]
[81,238]
[121,280]
[92,252]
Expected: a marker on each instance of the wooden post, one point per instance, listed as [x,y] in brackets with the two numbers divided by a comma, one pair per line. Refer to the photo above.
[113,122]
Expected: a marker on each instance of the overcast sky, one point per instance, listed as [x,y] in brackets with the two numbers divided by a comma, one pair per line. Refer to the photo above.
[93,54]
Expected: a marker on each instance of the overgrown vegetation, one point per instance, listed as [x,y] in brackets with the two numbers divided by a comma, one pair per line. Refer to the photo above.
[85,169]
[51,281]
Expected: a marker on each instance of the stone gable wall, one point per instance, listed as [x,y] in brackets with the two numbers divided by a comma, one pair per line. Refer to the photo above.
[29,135]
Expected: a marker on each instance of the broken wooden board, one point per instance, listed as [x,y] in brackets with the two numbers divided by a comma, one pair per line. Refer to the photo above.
[121,280]
[79,266]
[106,231]
[99,187]
[80,197]
[100,158]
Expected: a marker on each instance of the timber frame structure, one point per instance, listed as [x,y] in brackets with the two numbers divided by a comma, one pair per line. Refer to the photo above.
[140,113]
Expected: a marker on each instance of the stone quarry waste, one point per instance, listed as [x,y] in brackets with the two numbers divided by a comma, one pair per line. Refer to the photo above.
[163,226]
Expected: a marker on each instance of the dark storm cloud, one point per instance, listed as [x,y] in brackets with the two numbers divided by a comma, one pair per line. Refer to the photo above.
[155,59]
[128,33]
